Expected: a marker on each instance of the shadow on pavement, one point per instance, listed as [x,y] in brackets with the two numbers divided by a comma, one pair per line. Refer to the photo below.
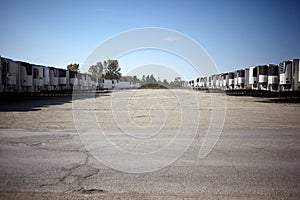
[19,103]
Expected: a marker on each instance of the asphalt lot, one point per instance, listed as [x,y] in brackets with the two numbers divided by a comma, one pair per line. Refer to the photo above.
[257,156]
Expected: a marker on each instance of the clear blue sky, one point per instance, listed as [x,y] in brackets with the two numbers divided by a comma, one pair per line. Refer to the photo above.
[236,34]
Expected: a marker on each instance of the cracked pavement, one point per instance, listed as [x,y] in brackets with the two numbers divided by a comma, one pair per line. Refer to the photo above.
[253,159]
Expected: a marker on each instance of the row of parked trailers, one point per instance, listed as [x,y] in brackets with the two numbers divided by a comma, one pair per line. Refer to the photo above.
[22,77]
[272,78]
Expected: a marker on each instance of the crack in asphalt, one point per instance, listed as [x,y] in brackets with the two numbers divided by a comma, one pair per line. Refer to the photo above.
[77,174]
[40,143]
[75,177]
[235,168]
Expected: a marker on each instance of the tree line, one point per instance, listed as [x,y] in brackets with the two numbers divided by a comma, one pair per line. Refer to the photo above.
[110,69]
[107,69]
[149,79]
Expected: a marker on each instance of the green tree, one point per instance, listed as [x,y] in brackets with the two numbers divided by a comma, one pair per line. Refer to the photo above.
[96,70]
[112,69]
[177,82]
[73,67]
[172,84]
[147,79]
[135,79]
[152,79]
[165,82]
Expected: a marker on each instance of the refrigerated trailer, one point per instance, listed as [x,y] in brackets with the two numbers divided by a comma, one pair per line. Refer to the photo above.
[240,79]
[262,74]
[273,77]
[289,75]
[253,77]
[63,77]
[231,80]
[225,80]
[38,81]
[247,76]
[123,85]
[9,75]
